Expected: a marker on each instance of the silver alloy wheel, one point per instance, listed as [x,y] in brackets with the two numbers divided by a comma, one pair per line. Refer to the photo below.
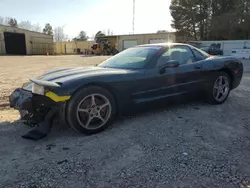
[93,111]
[221,88]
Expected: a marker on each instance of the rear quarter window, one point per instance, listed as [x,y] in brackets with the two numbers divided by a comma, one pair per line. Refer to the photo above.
[199,54]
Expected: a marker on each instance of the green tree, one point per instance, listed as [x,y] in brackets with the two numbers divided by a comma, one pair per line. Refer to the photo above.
[161,31]
[212,19]
[185,16]
[48,29]
[12,22]
[223,19]
[81,37]
[99,34]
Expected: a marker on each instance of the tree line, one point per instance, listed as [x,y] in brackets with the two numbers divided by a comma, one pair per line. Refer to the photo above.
[22,24]
[212,19]
[58,32]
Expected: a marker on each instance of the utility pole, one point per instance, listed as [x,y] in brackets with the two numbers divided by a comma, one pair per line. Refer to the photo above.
[133,23]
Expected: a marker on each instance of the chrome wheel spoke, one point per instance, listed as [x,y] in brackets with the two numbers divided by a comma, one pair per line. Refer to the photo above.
[103,106]
[93,116]
[92,100]
[221,88]
[84,110]
[89,121]
[220,81]
[217,95]
[224,92]
[101,118]
[224,86]
[216,87]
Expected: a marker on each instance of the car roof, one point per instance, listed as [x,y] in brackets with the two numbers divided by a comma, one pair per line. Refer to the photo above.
[164,44]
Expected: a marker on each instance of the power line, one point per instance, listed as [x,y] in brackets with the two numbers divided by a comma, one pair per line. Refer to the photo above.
[133,23]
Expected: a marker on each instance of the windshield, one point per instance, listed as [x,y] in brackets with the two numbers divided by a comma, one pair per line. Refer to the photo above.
[132,58]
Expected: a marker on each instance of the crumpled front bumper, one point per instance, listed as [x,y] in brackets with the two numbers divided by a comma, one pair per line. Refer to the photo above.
[20,99]
[30,105]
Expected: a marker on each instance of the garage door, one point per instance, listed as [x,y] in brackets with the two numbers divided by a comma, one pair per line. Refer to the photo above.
[154,41]
[15,43]
[129,43]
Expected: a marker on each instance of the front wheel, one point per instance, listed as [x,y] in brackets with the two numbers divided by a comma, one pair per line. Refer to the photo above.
[219,88]
[91,110]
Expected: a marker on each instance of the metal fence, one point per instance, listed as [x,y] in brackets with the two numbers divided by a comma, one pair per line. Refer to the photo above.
[42,48]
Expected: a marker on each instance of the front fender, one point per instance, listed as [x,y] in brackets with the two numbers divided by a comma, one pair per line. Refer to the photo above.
[119,90]
[70,87]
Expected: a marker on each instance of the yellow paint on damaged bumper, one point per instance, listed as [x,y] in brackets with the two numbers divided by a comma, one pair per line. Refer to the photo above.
[57,98]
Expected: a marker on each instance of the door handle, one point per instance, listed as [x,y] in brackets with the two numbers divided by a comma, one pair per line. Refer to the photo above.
[198,66]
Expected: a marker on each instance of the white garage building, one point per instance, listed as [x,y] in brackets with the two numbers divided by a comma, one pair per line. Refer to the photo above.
[16,41]
[127,41]
[226,45]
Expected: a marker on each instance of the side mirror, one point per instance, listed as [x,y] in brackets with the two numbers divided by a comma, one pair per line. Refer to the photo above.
[169,64]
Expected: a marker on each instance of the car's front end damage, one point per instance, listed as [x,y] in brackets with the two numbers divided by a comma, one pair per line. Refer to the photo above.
[37,103]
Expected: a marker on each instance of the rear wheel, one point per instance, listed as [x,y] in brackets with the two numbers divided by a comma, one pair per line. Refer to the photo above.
[219,88]
[91,110]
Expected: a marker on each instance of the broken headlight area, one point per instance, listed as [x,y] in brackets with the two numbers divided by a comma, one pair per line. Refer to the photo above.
[38,107]
[38,89]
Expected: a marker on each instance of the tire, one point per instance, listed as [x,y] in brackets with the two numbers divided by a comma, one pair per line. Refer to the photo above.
[212,91]
[79,120]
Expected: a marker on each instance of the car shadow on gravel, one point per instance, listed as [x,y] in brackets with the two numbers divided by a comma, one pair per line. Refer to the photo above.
[20,128]
[60,130]
[8,123]
[173,103]
[11,129]
[123,122]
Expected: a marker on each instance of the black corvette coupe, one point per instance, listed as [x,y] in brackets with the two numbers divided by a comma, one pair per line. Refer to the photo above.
[89,98]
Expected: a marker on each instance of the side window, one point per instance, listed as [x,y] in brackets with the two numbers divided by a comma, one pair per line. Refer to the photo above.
[182,54]
[165,57]
[198,55]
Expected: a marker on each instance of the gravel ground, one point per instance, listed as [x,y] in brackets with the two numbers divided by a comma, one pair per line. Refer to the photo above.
[177,146]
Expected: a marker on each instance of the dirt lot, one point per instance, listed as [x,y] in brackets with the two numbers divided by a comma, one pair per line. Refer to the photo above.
[183,145]
[17,70]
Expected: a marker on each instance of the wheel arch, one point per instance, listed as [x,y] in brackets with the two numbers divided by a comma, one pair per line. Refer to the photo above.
[230,74]
[105,86]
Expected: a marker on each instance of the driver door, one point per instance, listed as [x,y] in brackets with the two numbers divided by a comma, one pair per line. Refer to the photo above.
[160,82]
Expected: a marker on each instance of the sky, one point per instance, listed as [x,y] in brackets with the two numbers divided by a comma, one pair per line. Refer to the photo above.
[92,15]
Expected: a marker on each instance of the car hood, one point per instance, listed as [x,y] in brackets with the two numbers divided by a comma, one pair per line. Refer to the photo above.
[68,74]
[62,75]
